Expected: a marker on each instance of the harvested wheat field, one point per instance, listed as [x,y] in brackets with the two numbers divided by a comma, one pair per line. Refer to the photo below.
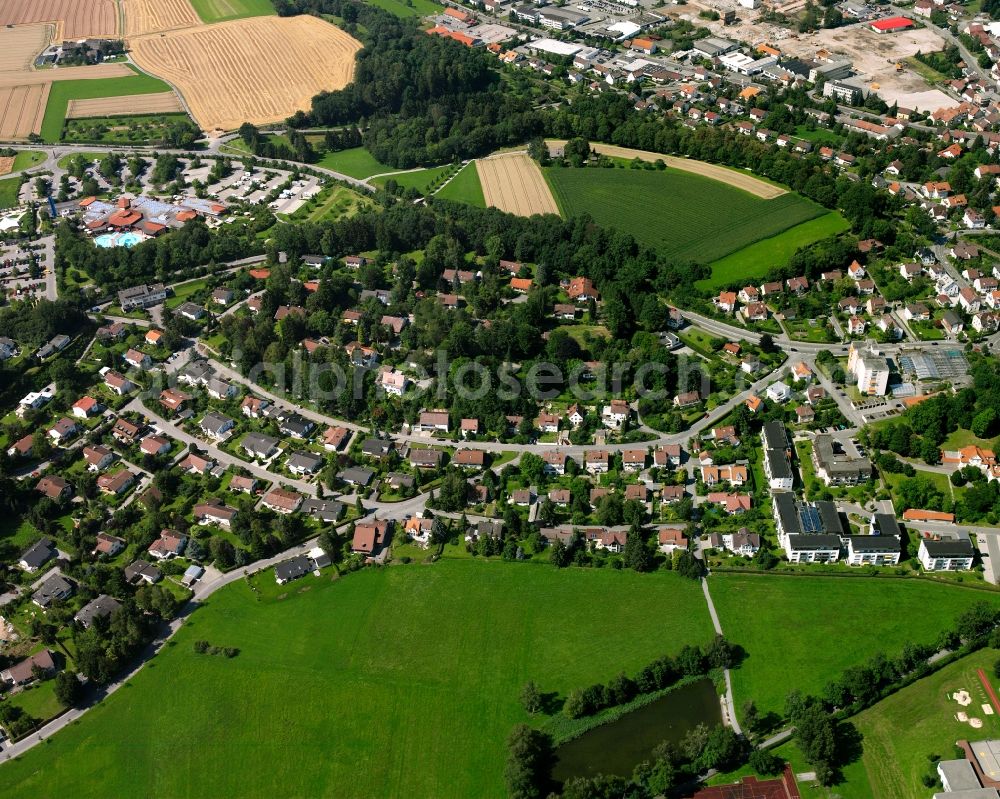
[76,19]
[740,180]
[154,16]
[22,109]
[7,164]
[257,70]
[515,184]
[92,72]
[19,45]
[156,103]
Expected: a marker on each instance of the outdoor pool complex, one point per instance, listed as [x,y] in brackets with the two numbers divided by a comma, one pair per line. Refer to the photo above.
[129,239]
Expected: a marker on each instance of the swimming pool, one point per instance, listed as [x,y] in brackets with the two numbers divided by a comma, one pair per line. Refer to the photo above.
[129,239]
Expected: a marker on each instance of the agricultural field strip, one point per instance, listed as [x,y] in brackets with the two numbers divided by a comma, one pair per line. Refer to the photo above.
[6,164]
[20,45]
[74,19]
[22,109]
[259,69]
[156,103]
[93,72]
[677,212]
[515,184]
[735,178]
[155,16]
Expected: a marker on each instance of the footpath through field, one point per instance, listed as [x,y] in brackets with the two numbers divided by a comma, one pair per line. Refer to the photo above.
[740,180]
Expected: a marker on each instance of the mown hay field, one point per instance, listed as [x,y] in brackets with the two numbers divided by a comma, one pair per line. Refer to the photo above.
[19,45]
[156,103]
[685,216]
[154,16]
[22,109]
[258,70]
[513,182]
[77,19]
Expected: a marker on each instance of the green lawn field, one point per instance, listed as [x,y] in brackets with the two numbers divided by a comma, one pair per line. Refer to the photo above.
[26,159]
[396,682]
[408,8]
[65,90]
[757,259]
[419,180]
[902,730]
[682,215]
[9,188]
[465,187]
[356,163]
[220,10]
[334,203]
[802,631]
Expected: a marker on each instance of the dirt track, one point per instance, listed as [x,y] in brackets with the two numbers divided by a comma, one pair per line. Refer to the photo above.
[258,70]
[19,45]
[94,72]
[154,16]
[514,183]
[740,180]
[22,109]
[158,103]
[78,19]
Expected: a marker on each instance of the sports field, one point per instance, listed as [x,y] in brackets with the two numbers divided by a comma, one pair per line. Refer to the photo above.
[399,682]
[258,70]
[64,91]
[795,628]
[759,258]
[513,183]
[902,730]
[465,187]
[683,215]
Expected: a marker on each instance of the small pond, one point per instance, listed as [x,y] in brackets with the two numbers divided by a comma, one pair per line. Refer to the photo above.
[619,746]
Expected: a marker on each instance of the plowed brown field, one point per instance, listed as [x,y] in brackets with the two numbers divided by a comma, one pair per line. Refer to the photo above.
[154,16]
[19,45]
[22,109]
[515,184]
[158,103]
[257,70]
[78,19]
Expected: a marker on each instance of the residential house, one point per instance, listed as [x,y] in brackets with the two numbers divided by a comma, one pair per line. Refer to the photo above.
[37,555]
[108,545]
[116,484]
[214,513]
[281,500]
[945,554]
[169,545]
[100,608]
